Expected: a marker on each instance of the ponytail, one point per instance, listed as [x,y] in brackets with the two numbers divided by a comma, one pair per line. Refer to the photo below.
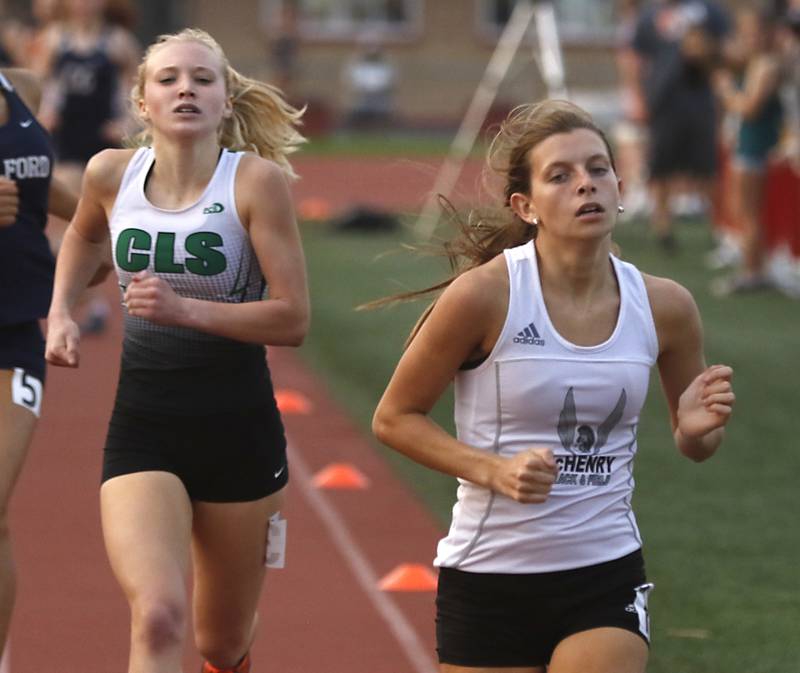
[262,121]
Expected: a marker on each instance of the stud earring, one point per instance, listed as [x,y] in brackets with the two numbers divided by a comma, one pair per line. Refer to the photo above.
[535,221]
[621,208]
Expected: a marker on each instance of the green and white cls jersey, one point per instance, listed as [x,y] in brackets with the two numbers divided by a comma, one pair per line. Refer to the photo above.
[202,251]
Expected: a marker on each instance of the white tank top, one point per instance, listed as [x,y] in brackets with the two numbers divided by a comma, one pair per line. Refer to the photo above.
[202,251]
[536,389]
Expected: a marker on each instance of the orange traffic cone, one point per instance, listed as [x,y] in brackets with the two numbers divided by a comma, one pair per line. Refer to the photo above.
[314,208]
[292,402]
[341,476]
[409,577]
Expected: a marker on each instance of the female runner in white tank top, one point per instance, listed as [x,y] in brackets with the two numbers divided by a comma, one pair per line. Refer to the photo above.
[549,339]
[194,463]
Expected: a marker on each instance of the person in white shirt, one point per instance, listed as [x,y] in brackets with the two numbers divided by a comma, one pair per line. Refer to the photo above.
[549,338]
[201,224]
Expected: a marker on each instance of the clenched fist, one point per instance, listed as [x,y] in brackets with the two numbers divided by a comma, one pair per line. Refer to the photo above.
[528,477]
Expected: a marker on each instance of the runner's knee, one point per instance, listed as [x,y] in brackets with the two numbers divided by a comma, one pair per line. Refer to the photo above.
[159,623]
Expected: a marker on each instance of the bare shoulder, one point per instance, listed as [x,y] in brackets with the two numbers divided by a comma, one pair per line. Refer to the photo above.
[261,189]
[27,85]
[673,306]
[255,170]
[482,289]
[104,171]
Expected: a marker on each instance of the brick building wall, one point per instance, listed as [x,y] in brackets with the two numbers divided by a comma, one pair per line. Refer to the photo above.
[438,63]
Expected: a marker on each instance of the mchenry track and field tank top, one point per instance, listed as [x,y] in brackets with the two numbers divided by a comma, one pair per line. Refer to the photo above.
[536,389]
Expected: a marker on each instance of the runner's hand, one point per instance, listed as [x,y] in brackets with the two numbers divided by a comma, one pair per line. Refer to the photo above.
[150,297]
[9,202]
[707,403]
[528,477]
[63,342]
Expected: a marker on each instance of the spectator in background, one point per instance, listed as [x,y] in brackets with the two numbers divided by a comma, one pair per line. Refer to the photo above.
[14,38]
[89,58]
[630,132]
[755,102]
[789,47]
[677,43]
[283,47]
[44,14]
[90,62]
[369,80]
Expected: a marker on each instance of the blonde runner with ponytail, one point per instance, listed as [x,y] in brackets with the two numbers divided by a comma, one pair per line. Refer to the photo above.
[208,256]
[262,121]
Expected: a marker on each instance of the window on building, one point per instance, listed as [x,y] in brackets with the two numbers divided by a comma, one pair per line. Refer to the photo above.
[349,19]
[578,20]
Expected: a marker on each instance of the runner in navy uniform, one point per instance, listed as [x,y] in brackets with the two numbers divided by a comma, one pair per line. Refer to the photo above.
[26,278]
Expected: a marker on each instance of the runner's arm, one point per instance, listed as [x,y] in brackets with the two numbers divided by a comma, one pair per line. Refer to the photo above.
[699,398]
[83,249]
[463,326]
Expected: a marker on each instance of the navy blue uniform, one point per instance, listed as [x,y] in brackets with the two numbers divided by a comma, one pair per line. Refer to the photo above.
[87,83]
[26,263]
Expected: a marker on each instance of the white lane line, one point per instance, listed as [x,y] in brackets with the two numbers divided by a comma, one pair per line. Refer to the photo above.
[5,666]
[404,633]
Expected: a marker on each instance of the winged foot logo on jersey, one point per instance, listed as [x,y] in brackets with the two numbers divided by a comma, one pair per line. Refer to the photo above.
[582,466]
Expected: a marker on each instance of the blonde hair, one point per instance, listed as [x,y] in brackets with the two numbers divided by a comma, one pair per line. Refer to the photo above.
[262,121]
[488,231]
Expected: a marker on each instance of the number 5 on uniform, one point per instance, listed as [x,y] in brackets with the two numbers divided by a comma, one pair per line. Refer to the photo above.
[26,391]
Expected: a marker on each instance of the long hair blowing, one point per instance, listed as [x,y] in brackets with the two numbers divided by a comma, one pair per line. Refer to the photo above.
[487,231]
[262,121]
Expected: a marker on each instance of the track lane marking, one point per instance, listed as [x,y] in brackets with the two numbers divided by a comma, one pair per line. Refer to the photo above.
[357,561]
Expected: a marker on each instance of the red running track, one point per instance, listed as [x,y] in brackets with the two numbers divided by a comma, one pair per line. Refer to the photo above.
[397,185]
[323,613]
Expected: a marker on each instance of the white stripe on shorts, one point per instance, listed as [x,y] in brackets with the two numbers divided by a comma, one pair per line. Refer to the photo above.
[642,593]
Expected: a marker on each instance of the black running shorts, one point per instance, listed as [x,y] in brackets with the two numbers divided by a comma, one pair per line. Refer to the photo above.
[503,620]
[230,456]
[22,347]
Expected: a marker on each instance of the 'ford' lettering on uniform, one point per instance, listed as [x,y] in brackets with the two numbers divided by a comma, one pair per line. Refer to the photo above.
[26,264]
[203,252]
[536,389]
